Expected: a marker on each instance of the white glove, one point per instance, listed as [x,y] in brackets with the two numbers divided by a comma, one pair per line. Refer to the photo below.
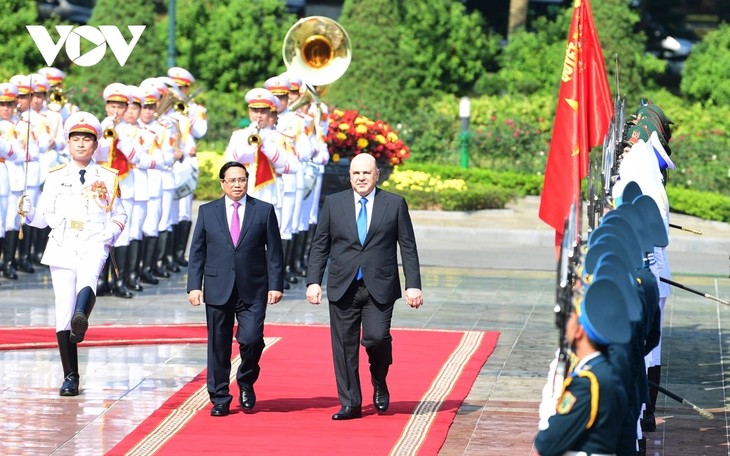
[107,123]
[109,236]
[25,207]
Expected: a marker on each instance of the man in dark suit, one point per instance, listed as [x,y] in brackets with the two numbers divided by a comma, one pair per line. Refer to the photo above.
[360,230]
[236,254]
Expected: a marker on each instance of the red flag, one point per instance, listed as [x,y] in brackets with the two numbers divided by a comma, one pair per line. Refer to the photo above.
[117,160]
[264,171]
[581,120]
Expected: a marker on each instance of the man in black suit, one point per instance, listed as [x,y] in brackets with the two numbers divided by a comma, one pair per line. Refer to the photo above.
[360,230]
[236,254]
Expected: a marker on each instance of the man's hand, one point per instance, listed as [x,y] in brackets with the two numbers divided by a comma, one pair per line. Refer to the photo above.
[195,297]
[314,294]
[414,297]
[274,297]
[25,206]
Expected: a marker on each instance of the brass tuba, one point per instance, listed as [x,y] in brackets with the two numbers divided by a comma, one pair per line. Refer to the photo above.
[318,50]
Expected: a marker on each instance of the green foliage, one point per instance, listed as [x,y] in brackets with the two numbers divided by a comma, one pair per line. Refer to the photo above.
[447,48]
[375,82]
[18,51]
[704,77]
[532,61]
[230,47]
[144,61]
[616,25]
[709,206]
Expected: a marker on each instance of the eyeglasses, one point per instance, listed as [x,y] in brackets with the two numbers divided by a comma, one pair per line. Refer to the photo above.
[234,180]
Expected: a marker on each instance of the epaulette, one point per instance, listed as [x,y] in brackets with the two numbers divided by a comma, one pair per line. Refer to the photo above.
[57,167]
[109,168]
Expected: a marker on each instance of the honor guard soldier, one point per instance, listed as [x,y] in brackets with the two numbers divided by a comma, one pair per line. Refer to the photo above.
[158,177]
[8,149]
[32,129]
[317,128]
[57,99]
[186,172]
[591,410]
[260,149]
[197,113]
[292,127]
[172,115]
[117,152]
[53,156]
[143,140]
[79,203]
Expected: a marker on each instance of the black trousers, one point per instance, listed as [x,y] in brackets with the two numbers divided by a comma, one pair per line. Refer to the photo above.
[356,310]
[250,338]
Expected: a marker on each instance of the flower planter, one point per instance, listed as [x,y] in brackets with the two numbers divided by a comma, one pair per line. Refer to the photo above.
[336,176]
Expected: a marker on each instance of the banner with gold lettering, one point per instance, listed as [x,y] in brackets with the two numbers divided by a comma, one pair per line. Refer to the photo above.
[582,116]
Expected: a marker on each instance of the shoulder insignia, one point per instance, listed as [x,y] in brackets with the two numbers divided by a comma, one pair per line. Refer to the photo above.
[56,168]
[109,168]
[565,404]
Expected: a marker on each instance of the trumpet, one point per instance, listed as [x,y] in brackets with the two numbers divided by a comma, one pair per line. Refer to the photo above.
[109,133]
[254,139]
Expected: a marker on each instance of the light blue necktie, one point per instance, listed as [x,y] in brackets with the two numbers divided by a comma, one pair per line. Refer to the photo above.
[362,229]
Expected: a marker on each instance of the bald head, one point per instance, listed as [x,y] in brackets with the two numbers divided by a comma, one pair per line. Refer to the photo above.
[364,174]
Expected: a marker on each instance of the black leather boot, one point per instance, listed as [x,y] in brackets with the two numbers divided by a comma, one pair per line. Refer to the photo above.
[297,263]
[288,258]
[148,258]
[70,362]
[648,420]
[181,241]
[103,288]
[85,301]
[308,246]
[132,267]
[119,287]
[286,247]
[39,245]
[24,262]
[11,242]
[158,268]
[168,260]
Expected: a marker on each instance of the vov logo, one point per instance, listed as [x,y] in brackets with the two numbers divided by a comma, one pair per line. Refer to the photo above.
[98,37]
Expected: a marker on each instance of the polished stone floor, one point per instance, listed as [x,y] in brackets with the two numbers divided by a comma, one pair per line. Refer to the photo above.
[491,270]
[123,385]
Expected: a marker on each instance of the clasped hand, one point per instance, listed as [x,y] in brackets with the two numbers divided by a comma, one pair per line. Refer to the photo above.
[25,206]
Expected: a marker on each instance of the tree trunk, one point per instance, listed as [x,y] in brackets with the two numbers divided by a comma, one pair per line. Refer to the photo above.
[517,15]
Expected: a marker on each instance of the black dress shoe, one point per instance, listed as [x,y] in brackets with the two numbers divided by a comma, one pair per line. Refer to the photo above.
[381,399]
[219,410]
[247,399]
[70,386]
[348,413]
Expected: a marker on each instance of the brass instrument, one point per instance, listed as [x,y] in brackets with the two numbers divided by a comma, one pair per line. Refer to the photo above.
[254,139]
[171,100]
[110,134]
[318,50]
[58,97]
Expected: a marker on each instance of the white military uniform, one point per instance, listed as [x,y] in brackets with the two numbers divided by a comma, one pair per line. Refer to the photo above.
[81,217]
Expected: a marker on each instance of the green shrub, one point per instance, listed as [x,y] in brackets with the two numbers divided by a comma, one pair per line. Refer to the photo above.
[708,206]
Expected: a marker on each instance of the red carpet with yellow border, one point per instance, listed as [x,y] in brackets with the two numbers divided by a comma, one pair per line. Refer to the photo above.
[432,373]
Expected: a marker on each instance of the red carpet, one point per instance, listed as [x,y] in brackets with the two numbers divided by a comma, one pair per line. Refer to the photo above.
[12,338]
[432,373]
